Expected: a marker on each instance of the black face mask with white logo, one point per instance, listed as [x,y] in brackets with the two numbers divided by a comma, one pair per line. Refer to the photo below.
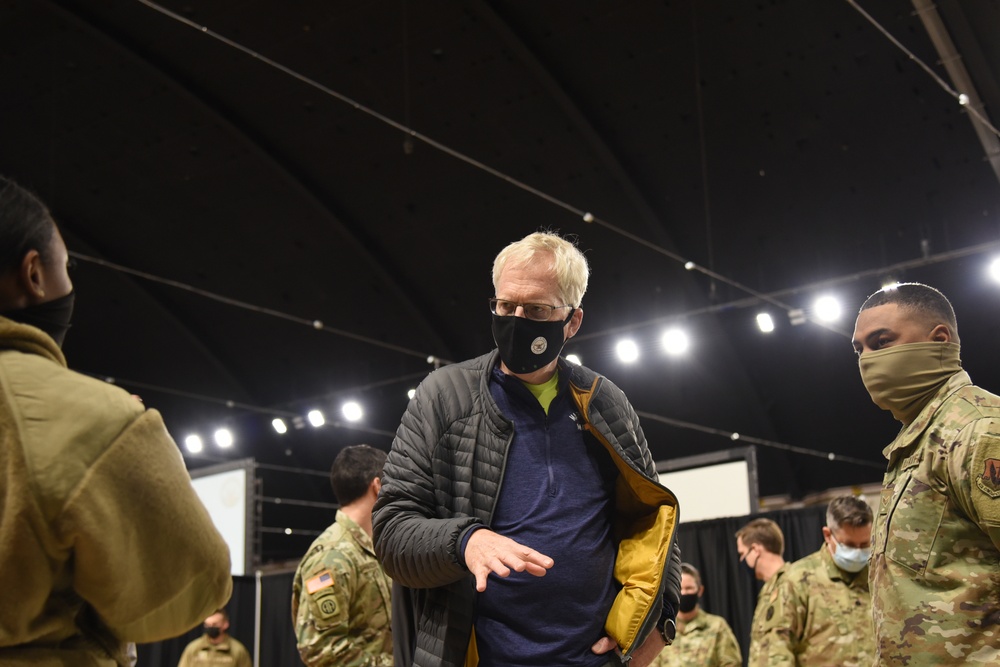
[526,345]
[53,317]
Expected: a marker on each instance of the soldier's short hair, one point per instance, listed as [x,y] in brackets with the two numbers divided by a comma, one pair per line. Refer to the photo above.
[764,532]
[688,568]
[848,511]
[353,471]
[918,299]
[223,611]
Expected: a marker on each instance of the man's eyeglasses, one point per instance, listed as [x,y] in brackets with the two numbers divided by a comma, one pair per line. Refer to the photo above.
[540,312]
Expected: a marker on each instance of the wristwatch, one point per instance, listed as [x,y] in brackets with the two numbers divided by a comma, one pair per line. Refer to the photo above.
[668,631]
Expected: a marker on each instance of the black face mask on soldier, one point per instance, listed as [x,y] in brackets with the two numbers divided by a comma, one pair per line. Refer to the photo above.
[213,631]
[53,317]
[526,345]
[687,603]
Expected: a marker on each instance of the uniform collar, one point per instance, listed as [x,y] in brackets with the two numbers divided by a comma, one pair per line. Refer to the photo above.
[915,429]
[355,531]
[29,339]
[836,574]
[696,623]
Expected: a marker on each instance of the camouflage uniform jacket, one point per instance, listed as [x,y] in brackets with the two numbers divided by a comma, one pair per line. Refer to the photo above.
[765,605]
[704,641]
[227,653]
[340,601]
[935,568]
[822,617]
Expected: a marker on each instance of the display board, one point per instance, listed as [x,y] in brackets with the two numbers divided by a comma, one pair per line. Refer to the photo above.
[227,493]
[710,486]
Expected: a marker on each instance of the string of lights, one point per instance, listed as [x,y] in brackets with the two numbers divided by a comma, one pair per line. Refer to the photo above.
[797,315]
[889,273]
[771,444]
[674,340]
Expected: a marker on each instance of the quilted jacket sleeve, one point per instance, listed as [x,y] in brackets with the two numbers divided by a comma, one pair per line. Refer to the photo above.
[416,537]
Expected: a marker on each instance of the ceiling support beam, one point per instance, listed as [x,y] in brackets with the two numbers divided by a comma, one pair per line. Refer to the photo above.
[960,77]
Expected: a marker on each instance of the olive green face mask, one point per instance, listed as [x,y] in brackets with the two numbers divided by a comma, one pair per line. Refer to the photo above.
[902,379]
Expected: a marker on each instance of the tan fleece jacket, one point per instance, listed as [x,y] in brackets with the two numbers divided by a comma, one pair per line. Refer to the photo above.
[102,538]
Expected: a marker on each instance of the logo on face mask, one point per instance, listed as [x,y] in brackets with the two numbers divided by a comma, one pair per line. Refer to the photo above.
[538,345]
[526,345]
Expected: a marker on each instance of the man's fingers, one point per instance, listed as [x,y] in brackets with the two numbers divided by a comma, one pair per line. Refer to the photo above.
[603,645]
[532,557]
[487,552]
[536,570]
[481,580]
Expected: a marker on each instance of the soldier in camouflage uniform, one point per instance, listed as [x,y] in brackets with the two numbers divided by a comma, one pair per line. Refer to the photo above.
[822,609]
[761,546]
[340,595]
[703,639]
[935,568]
[216,648]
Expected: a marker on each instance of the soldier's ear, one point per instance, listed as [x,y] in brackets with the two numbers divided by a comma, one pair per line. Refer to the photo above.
[941,334]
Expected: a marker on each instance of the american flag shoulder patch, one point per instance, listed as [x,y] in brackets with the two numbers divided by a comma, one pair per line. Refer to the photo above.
[322,580]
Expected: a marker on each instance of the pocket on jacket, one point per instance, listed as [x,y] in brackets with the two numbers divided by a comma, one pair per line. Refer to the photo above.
[912,525]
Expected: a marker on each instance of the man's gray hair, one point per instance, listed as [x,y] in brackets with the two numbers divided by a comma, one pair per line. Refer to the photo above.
[569,264]
[848,511]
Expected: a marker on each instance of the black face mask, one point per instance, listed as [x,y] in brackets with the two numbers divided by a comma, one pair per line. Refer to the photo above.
[688,602]
[53,317]
[213,632]
[526,345]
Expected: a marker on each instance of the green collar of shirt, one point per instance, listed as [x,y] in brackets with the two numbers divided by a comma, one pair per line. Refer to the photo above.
[545,392]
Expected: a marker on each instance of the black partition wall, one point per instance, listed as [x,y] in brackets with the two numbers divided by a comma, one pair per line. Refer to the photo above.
[730,589]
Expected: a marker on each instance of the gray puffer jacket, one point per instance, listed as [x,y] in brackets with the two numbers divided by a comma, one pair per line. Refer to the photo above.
[443,477]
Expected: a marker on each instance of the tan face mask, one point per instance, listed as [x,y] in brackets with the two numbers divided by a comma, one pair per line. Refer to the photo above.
[903,379]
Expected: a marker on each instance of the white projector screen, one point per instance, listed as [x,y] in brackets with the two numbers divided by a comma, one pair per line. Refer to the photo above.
[226,491]
[711,486]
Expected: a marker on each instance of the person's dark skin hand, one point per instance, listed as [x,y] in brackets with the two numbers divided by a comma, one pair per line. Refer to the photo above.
[487,552]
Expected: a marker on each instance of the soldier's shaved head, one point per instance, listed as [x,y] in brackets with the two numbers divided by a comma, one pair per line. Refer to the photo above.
[919,301]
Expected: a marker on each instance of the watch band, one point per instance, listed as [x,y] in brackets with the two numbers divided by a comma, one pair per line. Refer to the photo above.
[668,631]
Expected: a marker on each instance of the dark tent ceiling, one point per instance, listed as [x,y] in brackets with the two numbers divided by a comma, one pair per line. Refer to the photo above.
[785,146]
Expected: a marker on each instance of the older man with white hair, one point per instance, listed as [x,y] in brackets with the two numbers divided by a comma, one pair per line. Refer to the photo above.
[519,502]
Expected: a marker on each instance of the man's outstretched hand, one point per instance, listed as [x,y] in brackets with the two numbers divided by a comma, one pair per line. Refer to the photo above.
[487,552]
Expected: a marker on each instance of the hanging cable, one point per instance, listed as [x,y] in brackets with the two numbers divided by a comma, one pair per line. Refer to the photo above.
[313,324]
[961,98]
[699,102]
[791,291]
[829,456]
[586,216]
[271,412]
